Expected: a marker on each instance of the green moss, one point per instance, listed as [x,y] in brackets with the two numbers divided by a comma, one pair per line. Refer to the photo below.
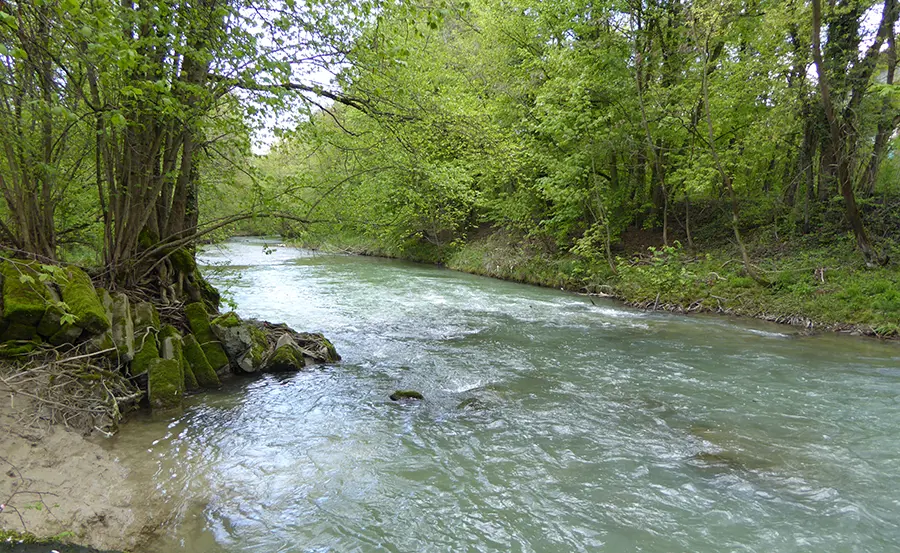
[228,320]
[202,370]
[406,394]
[16,331]
[198,320]
[332,352]
[148,352]
[15,349]
[165,383]
[80,296]
[259,347]
[286,358]
[23,302]
[183,261]
[190,381]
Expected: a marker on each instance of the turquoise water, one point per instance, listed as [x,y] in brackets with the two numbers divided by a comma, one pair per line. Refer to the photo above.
[552,422]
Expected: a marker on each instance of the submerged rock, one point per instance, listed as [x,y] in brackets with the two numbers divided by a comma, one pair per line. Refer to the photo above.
[401,395]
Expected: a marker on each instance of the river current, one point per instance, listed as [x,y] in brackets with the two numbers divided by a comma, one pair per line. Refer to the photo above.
[552,422]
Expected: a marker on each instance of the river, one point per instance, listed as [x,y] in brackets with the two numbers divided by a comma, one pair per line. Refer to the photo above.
[552,422]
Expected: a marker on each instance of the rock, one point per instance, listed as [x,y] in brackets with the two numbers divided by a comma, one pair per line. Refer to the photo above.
[233,334]
[286,357]
[285,340]
[80,296]
[148,352]
[203,372]
[253,360]
[145,316]
[198,320]
[171,347]
[401,395]
[122,325]
[23,302]
[51,322]
[14,349]
[68,334]
[190,381]
[102,342]
[16,332]
[165,384]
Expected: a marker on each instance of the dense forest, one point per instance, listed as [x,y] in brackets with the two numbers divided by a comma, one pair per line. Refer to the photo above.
[749,145]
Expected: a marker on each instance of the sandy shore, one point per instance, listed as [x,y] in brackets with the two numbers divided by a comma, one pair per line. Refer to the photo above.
[54,481]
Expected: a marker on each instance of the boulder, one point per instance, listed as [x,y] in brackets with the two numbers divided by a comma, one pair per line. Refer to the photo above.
[82,300]
[165,383]
[190,381]
[67,334]
[17,331]
[203,372]
[198,320]
[145,317]
[287,356]
[122,325]
[233,334]
[51,322]
[401,395]
[25,296]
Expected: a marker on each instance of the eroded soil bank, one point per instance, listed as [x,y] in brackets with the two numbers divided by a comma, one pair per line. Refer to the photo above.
[56,482]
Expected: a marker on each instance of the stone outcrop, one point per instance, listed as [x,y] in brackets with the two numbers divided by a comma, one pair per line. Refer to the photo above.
[43,306]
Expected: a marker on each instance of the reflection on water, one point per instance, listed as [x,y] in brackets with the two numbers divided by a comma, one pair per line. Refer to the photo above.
[551,423]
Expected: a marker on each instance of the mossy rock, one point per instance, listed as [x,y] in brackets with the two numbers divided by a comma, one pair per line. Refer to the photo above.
[228,320]
[147,239]
[123,326]
[148,352]
[198,320]
[51,322]
[16,331]
[190,381]
[15,349]
[103,342]
[332,352]
[203,372]
[401,395]
[165,383]
[145,316]
[172,347]
[79,294]
[285,358]
[259,348]
[67,334]
[23,302]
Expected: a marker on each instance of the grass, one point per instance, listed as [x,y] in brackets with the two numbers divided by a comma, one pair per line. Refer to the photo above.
[815,281]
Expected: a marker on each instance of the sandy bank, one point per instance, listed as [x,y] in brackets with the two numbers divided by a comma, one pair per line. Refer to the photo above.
[54,481]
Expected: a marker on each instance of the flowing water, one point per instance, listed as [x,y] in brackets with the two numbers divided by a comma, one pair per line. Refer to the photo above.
[552,423]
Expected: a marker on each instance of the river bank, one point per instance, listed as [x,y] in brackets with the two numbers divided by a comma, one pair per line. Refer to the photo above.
[813,286]
[60,485]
